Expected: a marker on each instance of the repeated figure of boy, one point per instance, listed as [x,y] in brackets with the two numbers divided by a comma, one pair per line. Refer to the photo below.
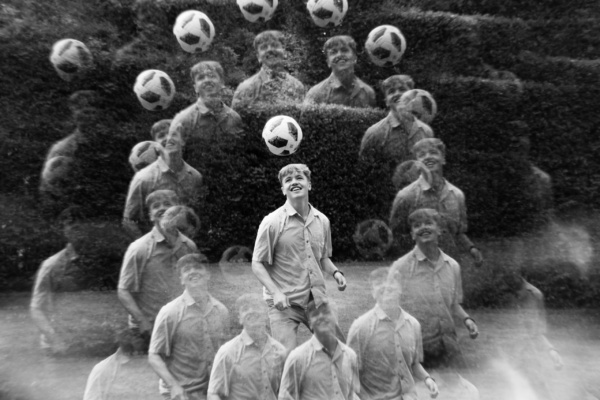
[249,366]
[387,341]
[322,367]
[272,84]
[391,139]
[430,287]
[148,277]
[342,86]
[438,194]
[187,333]
[168,172]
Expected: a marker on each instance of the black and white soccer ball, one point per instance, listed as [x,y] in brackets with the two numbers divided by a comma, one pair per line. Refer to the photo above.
[56,170]
[327,12]
[194,31]
[255,10]
[373,238]
[283,135]
[154,89]
[70,58]
[143,154]
[385,45]
[420,103]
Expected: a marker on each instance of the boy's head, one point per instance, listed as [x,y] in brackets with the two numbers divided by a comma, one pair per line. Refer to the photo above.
[86,108]
[208,78]
[293,169]
[408,172]
[322,319]
[385,291]
[425,225]
[252,312]
[158,202]
[340,52]
[130,343]
[394,87]
[432,153]
[160,130]
[269,48]
[193,271]
[182,219]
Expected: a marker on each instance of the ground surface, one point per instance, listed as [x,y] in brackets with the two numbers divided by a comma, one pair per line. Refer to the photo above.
[26,373]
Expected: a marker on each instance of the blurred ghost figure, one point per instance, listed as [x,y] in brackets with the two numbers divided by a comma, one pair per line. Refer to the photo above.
[452,386]
[250,365]
[125,375]
[387,341]
[408,172]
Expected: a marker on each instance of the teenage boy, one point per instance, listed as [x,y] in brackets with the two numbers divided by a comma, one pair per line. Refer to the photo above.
[292,256]
[322,367]
[250,365]
[387,341]
[187,334]
[272,83]
[431,289]
[343,86]
[148,277]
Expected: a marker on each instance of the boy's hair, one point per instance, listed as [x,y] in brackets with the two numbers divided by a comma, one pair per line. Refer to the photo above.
[250,302]
[378,276]
[424,214]
[129,342]
[189,261]
[160,194]
[176,214]
[267,36]
[212,65]
[159,126]
[340,40]
[429,142]
[312,310]
[404,80]
[84,99]
[291,168]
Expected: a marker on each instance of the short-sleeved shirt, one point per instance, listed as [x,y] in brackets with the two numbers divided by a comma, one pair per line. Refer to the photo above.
[199,122]
[331,91]
[119,378]
[310,373]
[430,292]
[387,351]
[56,274]
[186,183]
[292,250]
[391,140]
[187,338]
[449,201]
[269,87]
[149,271]
[243,371]
[65,147]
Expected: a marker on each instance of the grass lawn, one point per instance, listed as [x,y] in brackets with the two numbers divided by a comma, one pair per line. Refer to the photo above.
[89,318]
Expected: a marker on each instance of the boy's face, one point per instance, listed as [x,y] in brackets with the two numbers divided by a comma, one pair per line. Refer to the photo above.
[194,278]
[174,223]
[431,157]
[323,325]
[270,53]
[340,57]
[295,185]
[174,141]
[425,230]
[207,82]
[158,207]
[160,136]
[394,93]
[255,323]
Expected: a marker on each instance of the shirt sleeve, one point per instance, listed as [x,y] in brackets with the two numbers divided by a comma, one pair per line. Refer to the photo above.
[400,210]
[42,296]
[134,205]
[220,375]
[327,251]
[291,379]
[419,357]
[265,241]
[162,334]
[133,266]
[99,382]
[355,342]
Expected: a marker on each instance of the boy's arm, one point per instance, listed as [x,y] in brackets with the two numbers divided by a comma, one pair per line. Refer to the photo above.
[129,303]
[160,367]
[280,300]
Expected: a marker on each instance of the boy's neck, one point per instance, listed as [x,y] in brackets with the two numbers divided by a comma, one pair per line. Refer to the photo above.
[301,206]
[430,250]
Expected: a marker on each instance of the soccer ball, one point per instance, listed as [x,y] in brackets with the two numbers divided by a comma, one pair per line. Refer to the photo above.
[420,103]
[144,154]
[154,89]
[283,135]
[70,58]
[253,10]
[327,12]
[56,169]
[373,238]
[385,45]
[194,30]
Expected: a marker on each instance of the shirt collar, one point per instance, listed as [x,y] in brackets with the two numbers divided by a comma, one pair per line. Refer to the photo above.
[204,110]
[422,183]
[290,210]
[392,120]
[189,300]
[157,234]
[421,257]
[70,252]
[162,165]
[248,341]
[267,74]
[382,315]
[317,346]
